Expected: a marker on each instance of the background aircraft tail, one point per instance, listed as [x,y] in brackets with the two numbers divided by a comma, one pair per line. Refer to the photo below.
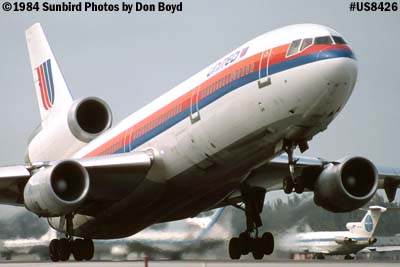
[51,90]
[368,224]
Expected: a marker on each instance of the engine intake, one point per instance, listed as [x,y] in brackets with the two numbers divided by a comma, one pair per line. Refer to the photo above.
[88,118]
[70,129]
[57,190]
[346,186]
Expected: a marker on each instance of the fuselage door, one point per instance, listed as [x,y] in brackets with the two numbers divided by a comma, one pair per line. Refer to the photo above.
[194,106]
[127,140]
[264,78]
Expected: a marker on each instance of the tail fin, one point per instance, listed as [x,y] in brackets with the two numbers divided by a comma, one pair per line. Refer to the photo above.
[368,224]
[51,90]
[371,219]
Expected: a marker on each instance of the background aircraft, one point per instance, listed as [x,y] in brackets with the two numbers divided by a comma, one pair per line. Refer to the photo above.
[192,236]
[358,236]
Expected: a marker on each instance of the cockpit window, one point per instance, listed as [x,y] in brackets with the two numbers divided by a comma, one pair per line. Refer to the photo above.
[338,40]
[306,43]
[294,47]
[323,40]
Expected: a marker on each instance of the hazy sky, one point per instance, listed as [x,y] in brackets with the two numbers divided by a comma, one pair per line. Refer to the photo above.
[130,59]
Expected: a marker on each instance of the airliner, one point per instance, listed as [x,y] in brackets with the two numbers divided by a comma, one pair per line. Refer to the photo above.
[358,236]
[223,137]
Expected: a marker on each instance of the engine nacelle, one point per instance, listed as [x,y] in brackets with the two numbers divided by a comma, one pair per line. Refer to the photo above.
[346,186]
[68,131]
[57,190]
[88,118]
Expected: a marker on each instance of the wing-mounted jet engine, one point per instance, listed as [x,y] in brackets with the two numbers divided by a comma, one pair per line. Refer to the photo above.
[346,185]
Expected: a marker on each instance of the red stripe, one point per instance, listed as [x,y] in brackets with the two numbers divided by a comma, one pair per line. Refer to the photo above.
[278,55]
[46,96]
[41,88]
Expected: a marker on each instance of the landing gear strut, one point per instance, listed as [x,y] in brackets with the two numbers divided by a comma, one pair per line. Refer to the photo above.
[292,182]
[249,241]
[61,249]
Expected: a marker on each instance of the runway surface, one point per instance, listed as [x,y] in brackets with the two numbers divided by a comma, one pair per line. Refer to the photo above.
[203,263]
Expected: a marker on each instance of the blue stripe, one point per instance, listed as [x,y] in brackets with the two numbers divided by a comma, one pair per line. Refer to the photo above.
[292,63]
[254,76]
[47,81]
[51,81]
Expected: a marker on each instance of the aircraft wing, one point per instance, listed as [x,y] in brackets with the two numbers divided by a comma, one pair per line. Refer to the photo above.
[271,174]
[111,177]
[12,182]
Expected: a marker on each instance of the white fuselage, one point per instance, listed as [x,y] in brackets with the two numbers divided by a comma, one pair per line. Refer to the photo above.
[208,132]
[327,243]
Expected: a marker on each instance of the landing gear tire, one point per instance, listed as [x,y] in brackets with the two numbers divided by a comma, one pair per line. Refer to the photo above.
[89,249]
[234,248]
[299,187]
[53,250]
[78,249]
[61,249]
[288,185]
[245,243]
[64,249]
[268,243]
[258,249]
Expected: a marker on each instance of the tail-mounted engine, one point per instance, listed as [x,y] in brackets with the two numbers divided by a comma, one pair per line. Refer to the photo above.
[57,190]
[68,131]
[346,186]
[88,118]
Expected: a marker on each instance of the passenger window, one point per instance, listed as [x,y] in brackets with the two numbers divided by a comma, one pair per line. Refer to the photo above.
[294,47]
[323,40]
[338,40]
[306,43]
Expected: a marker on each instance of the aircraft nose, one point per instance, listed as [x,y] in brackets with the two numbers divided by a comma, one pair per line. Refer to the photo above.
[341,67]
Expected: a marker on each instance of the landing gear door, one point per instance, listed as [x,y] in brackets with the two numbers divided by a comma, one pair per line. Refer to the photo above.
[194,106]
[264,78]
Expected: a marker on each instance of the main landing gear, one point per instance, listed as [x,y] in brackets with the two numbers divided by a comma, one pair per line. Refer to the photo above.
[61,249]
[292,182]
[249,241]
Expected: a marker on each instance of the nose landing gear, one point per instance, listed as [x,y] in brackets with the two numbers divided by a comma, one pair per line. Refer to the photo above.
[249,240]
[292,182]
[61,249]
